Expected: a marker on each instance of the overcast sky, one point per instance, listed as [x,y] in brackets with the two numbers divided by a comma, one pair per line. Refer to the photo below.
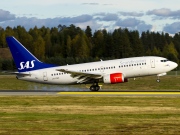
[141,15]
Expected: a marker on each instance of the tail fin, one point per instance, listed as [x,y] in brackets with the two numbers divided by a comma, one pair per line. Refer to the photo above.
[24,60]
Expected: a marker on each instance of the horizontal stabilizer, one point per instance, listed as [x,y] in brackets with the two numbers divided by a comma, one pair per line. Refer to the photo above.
[20,73]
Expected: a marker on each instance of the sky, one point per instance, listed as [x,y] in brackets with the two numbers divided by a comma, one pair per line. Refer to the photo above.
[141,15]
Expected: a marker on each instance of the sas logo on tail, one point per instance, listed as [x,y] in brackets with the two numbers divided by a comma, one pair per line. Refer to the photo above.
[27,65]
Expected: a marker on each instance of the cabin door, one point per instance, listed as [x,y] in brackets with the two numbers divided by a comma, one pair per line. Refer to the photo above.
[45,76]
[152,63]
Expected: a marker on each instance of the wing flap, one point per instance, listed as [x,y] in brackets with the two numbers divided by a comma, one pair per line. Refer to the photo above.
[81,76]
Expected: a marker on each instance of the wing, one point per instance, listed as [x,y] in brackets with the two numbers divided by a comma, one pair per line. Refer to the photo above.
[81,76]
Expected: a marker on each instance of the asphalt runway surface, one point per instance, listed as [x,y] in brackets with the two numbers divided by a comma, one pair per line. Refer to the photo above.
[86,93]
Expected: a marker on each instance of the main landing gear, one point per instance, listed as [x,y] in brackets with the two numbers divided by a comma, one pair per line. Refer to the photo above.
[95,87]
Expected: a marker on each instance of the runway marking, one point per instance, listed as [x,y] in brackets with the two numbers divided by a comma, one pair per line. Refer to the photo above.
[119,93]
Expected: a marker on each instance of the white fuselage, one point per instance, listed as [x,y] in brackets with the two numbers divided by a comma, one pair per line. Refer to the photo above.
[130,67]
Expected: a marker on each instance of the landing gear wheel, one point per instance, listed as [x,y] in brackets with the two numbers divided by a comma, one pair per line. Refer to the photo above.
[97,88]
[158,80]
[94,87]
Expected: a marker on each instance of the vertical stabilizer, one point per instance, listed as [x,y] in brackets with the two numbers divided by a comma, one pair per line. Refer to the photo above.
[24,60]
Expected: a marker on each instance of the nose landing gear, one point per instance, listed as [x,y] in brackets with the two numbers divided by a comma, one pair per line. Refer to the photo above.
[158,80]
[162,74]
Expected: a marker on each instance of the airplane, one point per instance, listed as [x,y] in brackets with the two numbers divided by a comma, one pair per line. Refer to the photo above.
[110,71]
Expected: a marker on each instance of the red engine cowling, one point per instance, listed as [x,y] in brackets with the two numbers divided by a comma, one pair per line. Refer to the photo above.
[114,78]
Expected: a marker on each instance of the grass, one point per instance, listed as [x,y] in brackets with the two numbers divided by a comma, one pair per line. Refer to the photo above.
[169,82]
[89,115]
[64,115]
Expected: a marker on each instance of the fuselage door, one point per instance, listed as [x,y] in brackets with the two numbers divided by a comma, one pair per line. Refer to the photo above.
[152,63]
[45,78]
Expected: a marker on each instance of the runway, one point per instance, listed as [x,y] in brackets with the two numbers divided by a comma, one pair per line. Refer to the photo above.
[86,93]
[128,93]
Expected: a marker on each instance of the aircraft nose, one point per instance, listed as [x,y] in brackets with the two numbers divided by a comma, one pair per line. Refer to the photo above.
[174,65]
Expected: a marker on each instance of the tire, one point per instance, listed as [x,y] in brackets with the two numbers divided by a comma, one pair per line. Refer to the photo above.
[97,88]
[92,88]
[158,80]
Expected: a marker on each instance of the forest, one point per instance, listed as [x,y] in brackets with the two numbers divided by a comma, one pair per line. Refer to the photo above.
[63,45]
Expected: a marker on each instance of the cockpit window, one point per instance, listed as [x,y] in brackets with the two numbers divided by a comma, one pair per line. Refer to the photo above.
[164,60]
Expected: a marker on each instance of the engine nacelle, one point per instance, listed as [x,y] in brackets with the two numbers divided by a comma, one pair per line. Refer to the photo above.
[114,78]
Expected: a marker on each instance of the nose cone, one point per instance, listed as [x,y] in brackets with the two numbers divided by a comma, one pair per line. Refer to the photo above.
[174,65]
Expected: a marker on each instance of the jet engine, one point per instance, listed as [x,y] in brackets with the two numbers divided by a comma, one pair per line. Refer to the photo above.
[114,78]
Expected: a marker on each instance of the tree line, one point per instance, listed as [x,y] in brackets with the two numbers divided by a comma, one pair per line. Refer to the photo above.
[70,44]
